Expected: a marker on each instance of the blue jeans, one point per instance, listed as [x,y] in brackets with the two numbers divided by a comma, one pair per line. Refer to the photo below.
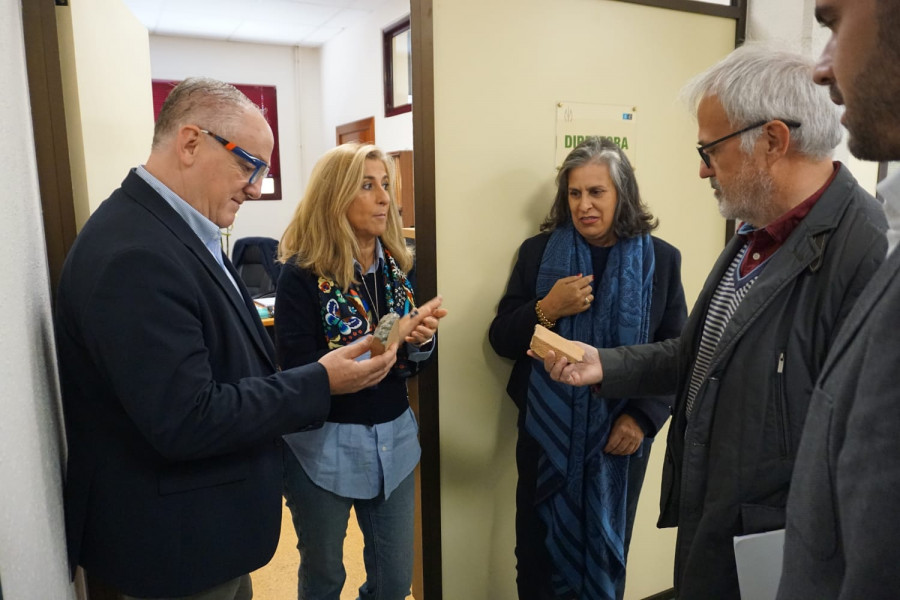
[320,520]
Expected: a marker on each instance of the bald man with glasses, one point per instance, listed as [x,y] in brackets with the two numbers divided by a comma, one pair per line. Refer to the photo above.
[744,368]
[173,404]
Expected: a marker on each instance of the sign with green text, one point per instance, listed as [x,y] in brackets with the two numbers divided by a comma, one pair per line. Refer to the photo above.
[576,121]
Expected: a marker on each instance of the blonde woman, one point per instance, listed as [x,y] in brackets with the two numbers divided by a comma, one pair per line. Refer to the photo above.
[345,268]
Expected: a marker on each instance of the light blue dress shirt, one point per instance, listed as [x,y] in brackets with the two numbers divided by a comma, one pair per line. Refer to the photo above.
[358,461]
[208,232]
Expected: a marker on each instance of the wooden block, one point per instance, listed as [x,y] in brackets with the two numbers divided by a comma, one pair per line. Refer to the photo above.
[386,333]
[544,340]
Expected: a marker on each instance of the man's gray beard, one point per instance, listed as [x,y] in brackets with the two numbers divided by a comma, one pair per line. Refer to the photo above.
[747,198]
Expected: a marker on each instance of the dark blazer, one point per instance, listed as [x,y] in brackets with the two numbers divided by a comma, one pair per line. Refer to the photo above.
[511,330]
[172,403]
[842,538]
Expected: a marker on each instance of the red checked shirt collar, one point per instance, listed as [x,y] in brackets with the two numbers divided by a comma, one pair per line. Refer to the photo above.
[763,243]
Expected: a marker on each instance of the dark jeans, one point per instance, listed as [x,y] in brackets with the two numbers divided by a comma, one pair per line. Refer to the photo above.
[533,563]
[320,520]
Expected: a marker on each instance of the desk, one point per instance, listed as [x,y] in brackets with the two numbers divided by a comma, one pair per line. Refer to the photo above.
[269,324]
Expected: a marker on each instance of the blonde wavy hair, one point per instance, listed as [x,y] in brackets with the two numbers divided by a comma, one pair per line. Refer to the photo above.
[319,236]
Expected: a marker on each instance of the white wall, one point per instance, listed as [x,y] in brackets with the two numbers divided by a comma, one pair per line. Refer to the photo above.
[352,84]
[294,72]
[32,536]
[792,24]
[496,92]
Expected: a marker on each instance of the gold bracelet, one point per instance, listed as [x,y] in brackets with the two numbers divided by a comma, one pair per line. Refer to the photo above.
[542,318]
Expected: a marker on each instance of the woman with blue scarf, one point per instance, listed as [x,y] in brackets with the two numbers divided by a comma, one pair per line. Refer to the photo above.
[596,275]
[345,268]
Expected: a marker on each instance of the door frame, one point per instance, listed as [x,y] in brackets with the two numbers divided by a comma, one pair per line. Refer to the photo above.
[49,125]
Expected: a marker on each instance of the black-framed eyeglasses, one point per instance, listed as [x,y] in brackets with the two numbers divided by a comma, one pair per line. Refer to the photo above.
[261,167]
[702,149]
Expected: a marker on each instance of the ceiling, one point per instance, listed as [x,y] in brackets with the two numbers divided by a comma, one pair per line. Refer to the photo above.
[284,22]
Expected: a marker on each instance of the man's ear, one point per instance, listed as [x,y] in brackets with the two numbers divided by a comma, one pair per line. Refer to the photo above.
[777,136]
[187,144]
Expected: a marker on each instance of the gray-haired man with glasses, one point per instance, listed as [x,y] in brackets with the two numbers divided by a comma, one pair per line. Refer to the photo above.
[743,370]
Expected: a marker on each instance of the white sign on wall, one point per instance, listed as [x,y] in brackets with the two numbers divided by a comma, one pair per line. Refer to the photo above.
[576,121]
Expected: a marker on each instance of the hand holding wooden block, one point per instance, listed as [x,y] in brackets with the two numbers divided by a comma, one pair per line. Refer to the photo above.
[544,340]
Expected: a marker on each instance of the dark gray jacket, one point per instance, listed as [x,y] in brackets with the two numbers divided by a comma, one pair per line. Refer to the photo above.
[843,532]
[728,468]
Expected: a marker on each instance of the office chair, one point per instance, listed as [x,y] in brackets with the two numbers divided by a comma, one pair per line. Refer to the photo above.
[255,261]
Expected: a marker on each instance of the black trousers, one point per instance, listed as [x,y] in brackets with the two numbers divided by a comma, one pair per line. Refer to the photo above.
[240,588]
[533,563]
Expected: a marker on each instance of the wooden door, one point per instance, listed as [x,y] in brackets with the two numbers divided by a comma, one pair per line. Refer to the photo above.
[404,189]
[358,131]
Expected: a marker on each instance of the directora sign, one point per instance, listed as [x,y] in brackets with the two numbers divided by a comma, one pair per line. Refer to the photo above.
[576,121]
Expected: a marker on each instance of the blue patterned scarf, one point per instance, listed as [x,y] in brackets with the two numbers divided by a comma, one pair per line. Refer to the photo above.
[581,490]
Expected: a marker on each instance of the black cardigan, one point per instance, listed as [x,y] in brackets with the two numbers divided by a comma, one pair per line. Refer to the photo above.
[511,330]
[300,340]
